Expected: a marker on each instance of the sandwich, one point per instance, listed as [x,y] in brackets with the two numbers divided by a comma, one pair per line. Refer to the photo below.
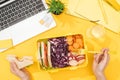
[44,55]
[22,62]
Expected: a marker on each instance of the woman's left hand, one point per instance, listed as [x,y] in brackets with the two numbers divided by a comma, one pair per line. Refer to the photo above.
[23,74]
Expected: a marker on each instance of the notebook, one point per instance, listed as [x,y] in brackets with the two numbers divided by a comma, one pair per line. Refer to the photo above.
[98,11]
[114,3]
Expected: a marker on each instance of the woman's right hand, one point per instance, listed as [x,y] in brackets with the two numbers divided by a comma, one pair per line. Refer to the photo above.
[99,64]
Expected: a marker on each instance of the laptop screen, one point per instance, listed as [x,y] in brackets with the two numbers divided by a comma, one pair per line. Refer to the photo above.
[5,2]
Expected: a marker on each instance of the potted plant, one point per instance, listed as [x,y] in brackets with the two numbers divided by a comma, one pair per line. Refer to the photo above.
[55,6]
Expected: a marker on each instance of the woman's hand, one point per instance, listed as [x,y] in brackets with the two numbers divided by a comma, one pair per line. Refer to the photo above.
[21,73]
[99,64]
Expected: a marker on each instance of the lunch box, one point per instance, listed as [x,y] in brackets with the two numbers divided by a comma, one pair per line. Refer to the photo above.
[62,53]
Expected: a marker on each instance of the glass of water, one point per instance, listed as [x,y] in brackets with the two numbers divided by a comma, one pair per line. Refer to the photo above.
[96,32]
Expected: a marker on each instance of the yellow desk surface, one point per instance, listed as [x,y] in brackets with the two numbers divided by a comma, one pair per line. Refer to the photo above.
[66,24]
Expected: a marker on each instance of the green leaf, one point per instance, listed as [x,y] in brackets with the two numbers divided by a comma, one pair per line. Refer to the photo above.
[55,6]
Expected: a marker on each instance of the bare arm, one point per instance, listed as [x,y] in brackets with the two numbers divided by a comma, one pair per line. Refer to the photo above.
[100,63]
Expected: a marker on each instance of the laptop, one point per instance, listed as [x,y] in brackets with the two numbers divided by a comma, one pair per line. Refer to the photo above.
[23,19]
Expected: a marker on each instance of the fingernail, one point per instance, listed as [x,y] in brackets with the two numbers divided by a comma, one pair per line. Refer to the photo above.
[107,49]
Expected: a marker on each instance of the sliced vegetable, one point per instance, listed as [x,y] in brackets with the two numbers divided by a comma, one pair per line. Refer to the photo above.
[79,57]
[59,52]
[44,54]
[69,38]
[49,55]
[70,42]
[76,45]
[75,42]
[39,53]
[73,63]
[78,36]
[71,48]
[81,61]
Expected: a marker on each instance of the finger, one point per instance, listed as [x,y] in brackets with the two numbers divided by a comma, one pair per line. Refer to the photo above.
[108,57]
[12,64]
[94,62]
[95,55]
[105,57]
[98,58]
[14,67]
[104,49]
[106,54]
[24,70]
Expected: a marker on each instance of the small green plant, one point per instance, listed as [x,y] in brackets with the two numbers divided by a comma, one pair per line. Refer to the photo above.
[55,6]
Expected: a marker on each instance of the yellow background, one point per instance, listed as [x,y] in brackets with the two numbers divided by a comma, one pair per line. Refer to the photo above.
[66,25]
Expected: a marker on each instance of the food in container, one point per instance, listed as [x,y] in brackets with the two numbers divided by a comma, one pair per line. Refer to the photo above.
[61,52]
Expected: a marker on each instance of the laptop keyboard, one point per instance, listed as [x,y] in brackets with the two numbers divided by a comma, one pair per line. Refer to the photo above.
[18,11]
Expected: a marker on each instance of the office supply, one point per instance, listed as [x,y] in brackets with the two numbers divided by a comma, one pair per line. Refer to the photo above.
[71,8]
[114,3]
[90,11]
[99,11]
[20,19]
[113,18]
[118,1]
[103,11]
